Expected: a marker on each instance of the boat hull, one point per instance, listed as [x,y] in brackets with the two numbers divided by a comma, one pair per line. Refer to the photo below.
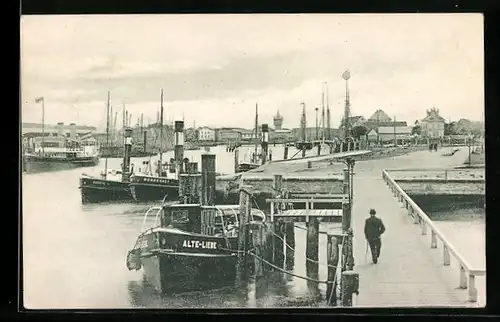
[182,262]
[244,167]
[153,188]
[95,190]
[33,164]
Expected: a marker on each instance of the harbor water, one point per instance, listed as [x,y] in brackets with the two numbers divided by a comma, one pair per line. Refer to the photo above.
[74,254]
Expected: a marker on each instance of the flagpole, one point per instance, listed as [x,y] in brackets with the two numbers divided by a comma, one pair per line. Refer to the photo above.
[43,126]
[42,100]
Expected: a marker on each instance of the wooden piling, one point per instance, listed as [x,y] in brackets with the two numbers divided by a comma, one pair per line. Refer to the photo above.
[309,164]
[290,241]
[208,179]
[346,206]
[268,245]
[333,259]
[258,247]
[236,160]
[312,246]
[350,285]
[285,153]
[319,149]
[243,235]
[279,256]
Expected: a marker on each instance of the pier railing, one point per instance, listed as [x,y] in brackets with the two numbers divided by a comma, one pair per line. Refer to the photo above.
[468,273]
[446,174]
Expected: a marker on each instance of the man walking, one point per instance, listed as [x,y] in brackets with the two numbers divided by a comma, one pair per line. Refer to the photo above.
[374,227]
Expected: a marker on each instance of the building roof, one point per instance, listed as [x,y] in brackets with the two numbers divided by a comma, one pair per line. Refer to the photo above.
[374,125]
[433,116]
[392,129]
[379,116]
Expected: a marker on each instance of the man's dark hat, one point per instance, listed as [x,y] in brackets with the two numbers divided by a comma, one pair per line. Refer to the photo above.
[372,212]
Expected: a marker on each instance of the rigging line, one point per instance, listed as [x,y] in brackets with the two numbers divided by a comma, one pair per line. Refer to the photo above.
[287,272]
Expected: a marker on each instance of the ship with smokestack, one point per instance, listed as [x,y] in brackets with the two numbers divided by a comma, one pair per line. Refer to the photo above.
[164,180]
[112,185]
[57,151]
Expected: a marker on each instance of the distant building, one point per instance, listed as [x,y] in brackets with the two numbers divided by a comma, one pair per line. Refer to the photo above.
[247,135]
[281,135]
[206,134]
[379,116]
[374,125]
[278,121]
[296,133]
[228,134]
[433,124]
[386,134]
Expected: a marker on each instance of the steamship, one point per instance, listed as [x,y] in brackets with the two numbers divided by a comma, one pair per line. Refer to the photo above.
[112,185]
[188,247]
[58,153]
[151,187]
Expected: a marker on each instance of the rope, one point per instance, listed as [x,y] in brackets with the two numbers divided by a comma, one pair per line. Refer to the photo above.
[287,272]
[321,232]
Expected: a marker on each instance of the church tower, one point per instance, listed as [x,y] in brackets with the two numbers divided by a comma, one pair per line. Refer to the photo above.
[278,121]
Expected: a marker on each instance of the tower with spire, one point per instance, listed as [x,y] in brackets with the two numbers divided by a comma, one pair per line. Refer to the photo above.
[278,121]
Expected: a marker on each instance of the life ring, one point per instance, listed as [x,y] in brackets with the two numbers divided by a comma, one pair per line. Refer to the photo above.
[113,172]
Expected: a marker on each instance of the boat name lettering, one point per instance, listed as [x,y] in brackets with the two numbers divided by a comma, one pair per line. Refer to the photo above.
[98,182]
[199,244]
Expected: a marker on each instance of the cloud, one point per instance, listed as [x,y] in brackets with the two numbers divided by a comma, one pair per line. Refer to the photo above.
[216,65]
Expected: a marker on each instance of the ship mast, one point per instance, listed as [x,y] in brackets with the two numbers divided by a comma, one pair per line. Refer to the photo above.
[161,135]
[256,131]
[328,125]
[323,114]
[107,139]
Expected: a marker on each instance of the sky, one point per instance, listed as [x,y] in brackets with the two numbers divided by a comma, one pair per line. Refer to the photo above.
[214,69]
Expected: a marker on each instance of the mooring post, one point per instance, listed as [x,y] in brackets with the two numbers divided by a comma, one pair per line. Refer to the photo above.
[350,285]
[290,241]
[312,245]
[258,247]
[279,256]
[236,160]
[333,259]
[346,206]
[285,153]
[319,149]
[309,164]
[275,225]
[243,235]
[349,250]
[208,179]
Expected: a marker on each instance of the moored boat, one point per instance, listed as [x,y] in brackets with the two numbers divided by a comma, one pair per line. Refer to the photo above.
[188,247]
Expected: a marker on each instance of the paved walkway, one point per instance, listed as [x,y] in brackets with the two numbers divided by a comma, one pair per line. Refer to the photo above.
[406,275]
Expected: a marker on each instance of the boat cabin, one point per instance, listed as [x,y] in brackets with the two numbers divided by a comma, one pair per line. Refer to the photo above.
[220,220]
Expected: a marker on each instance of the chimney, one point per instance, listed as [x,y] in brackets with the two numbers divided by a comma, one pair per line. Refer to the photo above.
[60,129]
[72,130]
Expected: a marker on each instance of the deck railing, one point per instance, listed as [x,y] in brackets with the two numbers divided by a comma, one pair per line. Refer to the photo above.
[467,272]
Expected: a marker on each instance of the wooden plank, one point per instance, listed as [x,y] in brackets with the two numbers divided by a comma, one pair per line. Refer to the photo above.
[316,195]
[304,200]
